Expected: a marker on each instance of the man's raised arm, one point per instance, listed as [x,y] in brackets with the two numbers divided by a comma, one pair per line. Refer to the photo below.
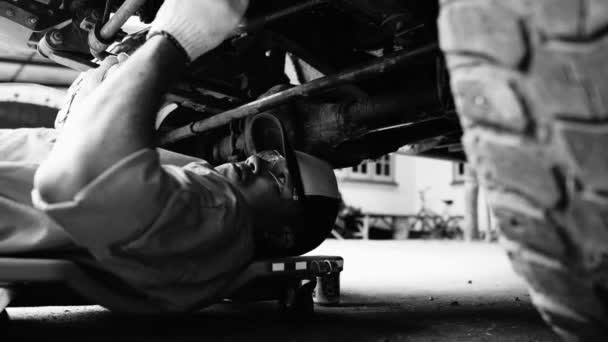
[118,119]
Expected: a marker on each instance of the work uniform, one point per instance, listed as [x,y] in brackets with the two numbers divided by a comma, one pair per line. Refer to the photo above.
[178,234]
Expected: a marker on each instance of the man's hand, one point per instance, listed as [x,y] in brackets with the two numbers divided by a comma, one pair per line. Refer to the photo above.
[198,25]
[117,120]
[85,84]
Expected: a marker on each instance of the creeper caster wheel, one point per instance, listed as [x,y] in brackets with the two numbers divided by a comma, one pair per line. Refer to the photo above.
[327,290]
[297,300]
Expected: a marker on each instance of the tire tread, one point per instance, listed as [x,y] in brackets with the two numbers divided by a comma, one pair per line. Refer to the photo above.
[530,80]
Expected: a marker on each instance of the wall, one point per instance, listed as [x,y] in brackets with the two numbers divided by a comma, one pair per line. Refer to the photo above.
[436,177]
[412,174]
[396,198]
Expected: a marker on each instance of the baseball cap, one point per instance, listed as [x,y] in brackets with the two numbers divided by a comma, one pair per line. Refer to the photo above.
[314,180]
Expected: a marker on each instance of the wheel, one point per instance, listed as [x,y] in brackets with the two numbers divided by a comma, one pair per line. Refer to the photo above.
[297,301]
[530,82]
[439,228]
[17,115]
[453,228]
[424,224]
[28,105]
[327,290]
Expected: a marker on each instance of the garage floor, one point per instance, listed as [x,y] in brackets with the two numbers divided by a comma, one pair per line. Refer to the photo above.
[391,291]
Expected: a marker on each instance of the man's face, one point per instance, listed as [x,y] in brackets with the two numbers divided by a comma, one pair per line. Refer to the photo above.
[263,179]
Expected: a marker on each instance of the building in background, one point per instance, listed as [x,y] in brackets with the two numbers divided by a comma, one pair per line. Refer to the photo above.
[388,191]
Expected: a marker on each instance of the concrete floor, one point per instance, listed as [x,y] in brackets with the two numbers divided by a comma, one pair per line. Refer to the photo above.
[391,291]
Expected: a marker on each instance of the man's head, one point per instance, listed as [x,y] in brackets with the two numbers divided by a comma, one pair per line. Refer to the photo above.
[293,196]
[267,184]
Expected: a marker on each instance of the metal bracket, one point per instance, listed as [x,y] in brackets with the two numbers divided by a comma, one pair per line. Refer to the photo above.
[19,15]
[67,59]
[39,15]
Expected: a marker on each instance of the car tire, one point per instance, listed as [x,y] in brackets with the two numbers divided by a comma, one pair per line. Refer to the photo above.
[20,115]
[530,82]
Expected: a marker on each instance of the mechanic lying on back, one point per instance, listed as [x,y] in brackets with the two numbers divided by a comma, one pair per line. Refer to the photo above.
[178,235]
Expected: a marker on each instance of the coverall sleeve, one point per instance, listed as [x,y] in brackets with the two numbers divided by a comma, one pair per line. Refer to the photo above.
[125,202]
[178,234]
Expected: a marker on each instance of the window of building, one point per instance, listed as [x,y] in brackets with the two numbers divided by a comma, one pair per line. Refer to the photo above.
[458,173]
[381,170]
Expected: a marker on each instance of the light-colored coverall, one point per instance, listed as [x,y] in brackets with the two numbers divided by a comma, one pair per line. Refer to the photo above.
[178,234]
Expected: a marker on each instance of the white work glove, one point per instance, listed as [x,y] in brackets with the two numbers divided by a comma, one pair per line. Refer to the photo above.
[198,25]
[85,84]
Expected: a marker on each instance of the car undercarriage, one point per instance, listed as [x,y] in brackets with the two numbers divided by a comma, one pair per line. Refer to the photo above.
[350,80]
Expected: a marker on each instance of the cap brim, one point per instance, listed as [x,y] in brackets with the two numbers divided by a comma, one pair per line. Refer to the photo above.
[268,133]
